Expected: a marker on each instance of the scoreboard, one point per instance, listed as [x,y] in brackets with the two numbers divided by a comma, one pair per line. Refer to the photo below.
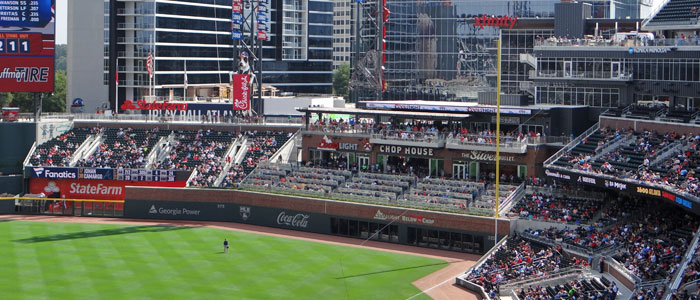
[146,175]
[27,40]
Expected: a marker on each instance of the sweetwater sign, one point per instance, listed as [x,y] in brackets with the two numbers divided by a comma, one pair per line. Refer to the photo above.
[485,156]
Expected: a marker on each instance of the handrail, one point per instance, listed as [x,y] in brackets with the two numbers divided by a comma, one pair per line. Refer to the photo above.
[572,144]
[156,149]
[561,273]
[29,155]
[654,13]
[290,141]
[678,277]
[227,167]
[622,270]
[517,194]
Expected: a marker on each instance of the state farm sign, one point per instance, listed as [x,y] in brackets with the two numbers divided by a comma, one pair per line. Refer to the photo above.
[91,189]
[143,105]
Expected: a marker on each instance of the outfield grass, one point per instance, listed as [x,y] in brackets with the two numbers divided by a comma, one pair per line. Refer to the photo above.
[91,261]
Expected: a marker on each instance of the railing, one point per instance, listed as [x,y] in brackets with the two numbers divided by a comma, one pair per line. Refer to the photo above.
[653,14]
[513,198]
[508,144]
[289,143]
[623,271]
[573,248]
[561,273]
[229,153]
[461,280]
[615,43]
[342,128]
[409,136]
[678,277]
[29,156]
[572,144]
[176,118]
[626,76]
[538,140]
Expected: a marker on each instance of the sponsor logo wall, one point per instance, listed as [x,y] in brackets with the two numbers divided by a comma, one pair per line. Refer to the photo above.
[108,174]
[89,189]
[624,187]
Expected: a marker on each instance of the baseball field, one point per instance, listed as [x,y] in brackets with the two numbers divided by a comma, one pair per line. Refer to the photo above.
[41,260]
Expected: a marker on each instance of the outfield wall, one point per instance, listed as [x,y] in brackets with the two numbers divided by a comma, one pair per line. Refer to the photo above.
[313,215]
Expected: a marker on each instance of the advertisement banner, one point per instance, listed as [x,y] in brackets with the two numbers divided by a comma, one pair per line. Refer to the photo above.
[27,46]
[89,189]
[241,92]
[236,19]
[263,18]
[95,173]
[622,186]
[175,210]
[53,172]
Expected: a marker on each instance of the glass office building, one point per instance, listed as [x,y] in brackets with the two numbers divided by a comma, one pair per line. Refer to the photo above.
[195,35]
[446,50]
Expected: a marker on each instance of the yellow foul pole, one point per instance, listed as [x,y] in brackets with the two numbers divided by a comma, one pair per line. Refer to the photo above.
[498,135]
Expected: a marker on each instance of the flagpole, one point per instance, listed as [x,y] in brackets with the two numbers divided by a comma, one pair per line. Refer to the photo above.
[148,71]
[116,97]
[184,92]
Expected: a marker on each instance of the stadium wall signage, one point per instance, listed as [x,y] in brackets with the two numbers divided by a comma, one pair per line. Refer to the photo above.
[143,105]
[406,218]
[627,187]
[403,150]
[493,21]
[54,172]
[89,189]
[487,156]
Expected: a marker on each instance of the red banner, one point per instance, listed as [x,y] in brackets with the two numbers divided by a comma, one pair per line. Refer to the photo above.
[241,92]
[90,188]
[26,74]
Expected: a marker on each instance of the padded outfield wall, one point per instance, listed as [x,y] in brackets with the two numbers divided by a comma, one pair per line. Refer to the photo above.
[306,214]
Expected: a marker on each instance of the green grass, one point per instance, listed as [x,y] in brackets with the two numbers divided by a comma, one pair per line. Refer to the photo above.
[90,261]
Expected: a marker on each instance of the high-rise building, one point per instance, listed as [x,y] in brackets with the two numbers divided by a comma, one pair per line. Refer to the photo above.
[84,64]
[446,50]
[342,32]
[193,37]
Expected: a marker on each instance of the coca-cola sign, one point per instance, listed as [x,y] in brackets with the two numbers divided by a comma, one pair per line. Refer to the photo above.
[297,220]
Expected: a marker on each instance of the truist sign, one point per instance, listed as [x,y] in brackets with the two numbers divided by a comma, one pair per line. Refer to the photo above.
[298,220]
[493,21]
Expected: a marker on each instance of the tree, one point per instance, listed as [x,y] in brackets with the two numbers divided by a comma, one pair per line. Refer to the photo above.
[341,76]
[51,102]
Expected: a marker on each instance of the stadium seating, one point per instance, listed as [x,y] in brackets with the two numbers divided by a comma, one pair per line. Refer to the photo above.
[125,148]
[676,12]
[541,206]
[58,151]
[518,259]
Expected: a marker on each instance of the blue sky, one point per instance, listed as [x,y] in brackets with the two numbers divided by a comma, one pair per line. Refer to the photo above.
[61,21]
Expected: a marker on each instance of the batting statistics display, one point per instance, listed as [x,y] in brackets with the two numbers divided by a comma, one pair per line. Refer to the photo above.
[27,45]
